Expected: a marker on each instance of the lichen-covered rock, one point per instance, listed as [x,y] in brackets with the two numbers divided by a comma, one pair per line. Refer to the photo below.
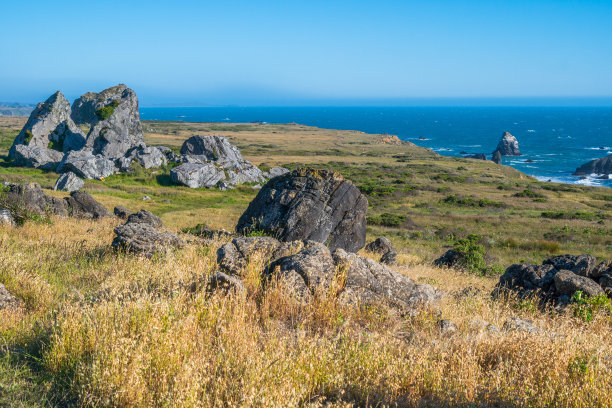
[583,265]
[380,245]
[31,197]
[217,149]
[308,204]
[225,283]
[49,127]
[68,182]
[84,164]
[195,175]
[114,119]
[7,300]
[521,325]
[121,212]
[606,283]
[141,235]
[82,205]
[526,278]
[597,166]
[147,157]
[37,157]
[6,218]
[508,145]
[567,283]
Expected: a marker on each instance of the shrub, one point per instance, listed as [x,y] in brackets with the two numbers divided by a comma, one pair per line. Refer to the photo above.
[586,307]
[28,136]
[471,253]
[453,199]
[387,219]
[107,111]
[577,215]
[529,194]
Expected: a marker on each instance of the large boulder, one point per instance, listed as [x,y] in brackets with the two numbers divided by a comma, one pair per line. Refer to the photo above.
[147,157]
[82,205]
[68,182]
[307,204]
[37,157]
[114,119]
[195,175]
[597,166]
[86,165]
[50,127]
[583,265]
[508,145]
[567,283]
[383,247]
[30,197]
[141,235]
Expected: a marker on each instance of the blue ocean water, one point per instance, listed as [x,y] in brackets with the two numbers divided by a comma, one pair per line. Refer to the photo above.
[554,141]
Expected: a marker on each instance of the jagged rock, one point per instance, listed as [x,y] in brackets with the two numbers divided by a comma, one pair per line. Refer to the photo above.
[6,218]
[225,283]
[217,149]
[477,156]
[526,278]
[197,175]
[170,155]
[381,245]
[68,182]
[31,197]
[234,256]
[449,259]
[37,157]
[121,212]
[82,205]
[582,265]
[145,217]
[567,283]
[597,166]
[308,204]
[521,325]
[508,145]
[140,235]
[147,157]
[84,164]
[115,120]
[49,127]
[7,300]
[497,157]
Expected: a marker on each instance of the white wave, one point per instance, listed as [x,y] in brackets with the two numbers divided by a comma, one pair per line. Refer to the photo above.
[598,148]
[530,131]
[470,145]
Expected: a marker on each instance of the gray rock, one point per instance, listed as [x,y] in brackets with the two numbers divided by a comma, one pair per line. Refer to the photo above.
[225,283]
[526,279]
[6,218]
[497,157]
[308,204]
[606,284]
[521,325]
[144,239]
[121,212]
[449,259]
[583,265]
[145,217]
[567,283]
[7,300]
[197,175]
[115,120]
[508,145]
[31,197]
[68,182]
[601,269]
[380,245]
[597,166]
[275,172]
[477,156]
[446,327]
[389,258]
[147,157]
[82,205]
[37,157]
[86,165]
[50,127]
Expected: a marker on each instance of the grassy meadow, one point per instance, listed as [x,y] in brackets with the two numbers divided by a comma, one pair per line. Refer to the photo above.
[99,328]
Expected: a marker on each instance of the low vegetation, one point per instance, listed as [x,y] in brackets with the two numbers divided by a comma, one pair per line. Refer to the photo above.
[101,328]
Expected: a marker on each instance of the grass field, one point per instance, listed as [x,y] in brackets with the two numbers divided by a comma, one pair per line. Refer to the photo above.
[99,328]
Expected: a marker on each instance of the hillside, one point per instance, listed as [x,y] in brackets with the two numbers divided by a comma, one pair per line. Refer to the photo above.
[100,328]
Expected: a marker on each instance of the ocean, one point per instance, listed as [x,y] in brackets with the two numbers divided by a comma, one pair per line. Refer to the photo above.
[554,141]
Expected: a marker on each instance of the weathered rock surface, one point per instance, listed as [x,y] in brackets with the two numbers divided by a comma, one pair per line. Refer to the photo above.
[384,247]
[308,204]
[84,164]
[6,218]
[597,166]
[497,157]
[37,157]
[7,300]
[121,212]
[449,259]
[68,182]
[147,157]
[82,205]
[275,172]
[141,235]
[558,278]
[225,283]
[508,145]
[195,175]
[476,156]
[521,325]
[49,127]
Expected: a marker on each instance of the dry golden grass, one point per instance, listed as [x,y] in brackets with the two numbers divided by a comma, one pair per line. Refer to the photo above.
[117,330]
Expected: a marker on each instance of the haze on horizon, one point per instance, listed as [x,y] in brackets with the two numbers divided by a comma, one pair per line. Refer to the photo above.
[205,53]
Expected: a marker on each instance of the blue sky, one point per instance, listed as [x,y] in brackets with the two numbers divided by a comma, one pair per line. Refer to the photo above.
[198,53]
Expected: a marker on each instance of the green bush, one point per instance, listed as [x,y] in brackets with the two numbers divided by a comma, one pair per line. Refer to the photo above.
[387,220]
[586,307]
[456,200]
[471,253]
[529,194]
[28,136]
[107,111]
[577,215]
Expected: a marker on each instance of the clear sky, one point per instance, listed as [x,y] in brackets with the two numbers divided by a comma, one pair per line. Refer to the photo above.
[198,53]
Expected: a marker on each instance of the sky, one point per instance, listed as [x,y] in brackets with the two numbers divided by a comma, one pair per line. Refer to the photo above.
[334,52]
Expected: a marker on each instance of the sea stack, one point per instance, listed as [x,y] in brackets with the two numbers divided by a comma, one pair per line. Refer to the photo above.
[508,145]
[597,166]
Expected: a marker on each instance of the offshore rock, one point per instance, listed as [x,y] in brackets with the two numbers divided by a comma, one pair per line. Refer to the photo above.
[508,145]
[497,158]
[597,166]
[307,204]
[68,182]
[50,127]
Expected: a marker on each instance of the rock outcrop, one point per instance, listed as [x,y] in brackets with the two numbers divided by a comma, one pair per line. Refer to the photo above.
[37,157]
[508,145]
[558,278]
[309,268]
[82,205]
[497,157]
[87,165]
[597,166]
[141,235]
[68,182]
[210,161]
[477,156]
[49,127]
[309,204]
[383,247]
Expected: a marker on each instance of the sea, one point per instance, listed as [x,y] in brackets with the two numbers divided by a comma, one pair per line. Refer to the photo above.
[554,140]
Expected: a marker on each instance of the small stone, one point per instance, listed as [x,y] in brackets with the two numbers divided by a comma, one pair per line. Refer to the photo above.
[521,325]
[225,283]
[146,198]
[446,326]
